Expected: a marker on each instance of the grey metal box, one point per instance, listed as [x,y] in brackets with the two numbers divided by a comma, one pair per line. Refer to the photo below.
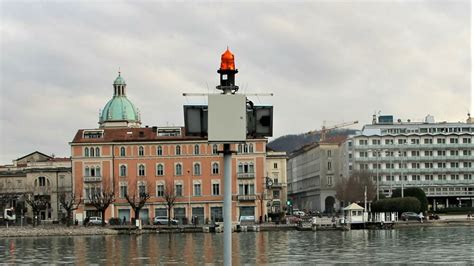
[227,118]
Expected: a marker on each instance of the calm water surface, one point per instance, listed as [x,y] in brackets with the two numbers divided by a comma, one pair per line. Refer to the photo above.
[409,245]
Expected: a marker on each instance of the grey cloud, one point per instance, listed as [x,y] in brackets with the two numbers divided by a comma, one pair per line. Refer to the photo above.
[324,61]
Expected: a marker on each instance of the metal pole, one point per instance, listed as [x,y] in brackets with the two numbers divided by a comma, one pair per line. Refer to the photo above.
[227,205]
[377,160]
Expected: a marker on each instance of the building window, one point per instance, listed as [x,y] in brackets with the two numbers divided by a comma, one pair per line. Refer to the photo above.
[197,189]
[141,188]
[122,151]
[276,194]
[453,140]
[329,180]
[97,171]
[246,168]
[329,166]
[275,165]
[86,152]
[123,170]
[466,140]
[251,148]
[42,181]
[214,149]
[141,151]
[141,170]
[178,169]
[160,190]
[123,190]
[97,152]
[159,151]
[196,149]
[178,150]
[197,169]
[159,169]
[246,189]
[239,149]
[215,168]
[246,148]
[179,190]
[362,142]
[215,189]
[329,153]
[91,152]
[87,172]
[92,171]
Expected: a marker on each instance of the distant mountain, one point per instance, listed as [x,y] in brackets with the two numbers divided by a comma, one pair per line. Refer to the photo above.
[290,143]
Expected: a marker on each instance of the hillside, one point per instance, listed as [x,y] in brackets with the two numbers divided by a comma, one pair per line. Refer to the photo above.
[290,143]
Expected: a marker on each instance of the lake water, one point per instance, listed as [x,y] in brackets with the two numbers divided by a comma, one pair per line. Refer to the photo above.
[406,245]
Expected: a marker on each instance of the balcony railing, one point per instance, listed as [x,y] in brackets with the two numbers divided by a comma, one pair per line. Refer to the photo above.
[427,182]
[393,159]
[246,197]
[415,146]
[277,185]
[90,179]
[245,175]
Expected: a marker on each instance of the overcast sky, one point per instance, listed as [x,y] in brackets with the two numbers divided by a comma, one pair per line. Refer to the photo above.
[337,62]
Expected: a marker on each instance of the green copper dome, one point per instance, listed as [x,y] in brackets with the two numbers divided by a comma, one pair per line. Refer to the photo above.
[119,108]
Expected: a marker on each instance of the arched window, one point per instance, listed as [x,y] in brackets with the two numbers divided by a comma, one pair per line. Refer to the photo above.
[92,152]
[241,168]
[42,181]
[179,169]
[214,149]
[251,148]
[123,170]
[92,171]
[215,168]
[141,170]
[178,150]
[246,148]
[122,151]
[159,169]
[86,152]
[197,169]
[97,152]
[159,150]
[239,148]
[141,151]
[97,171]
[87,172]
[196,149]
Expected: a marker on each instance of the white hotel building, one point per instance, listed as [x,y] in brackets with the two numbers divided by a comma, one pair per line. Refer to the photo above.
[436,156]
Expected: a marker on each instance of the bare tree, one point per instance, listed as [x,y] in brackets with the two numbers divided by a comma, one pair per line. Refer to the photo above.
[170,198]
[352,189]
[70,202]
[101,199]
[138,197]
[37,203]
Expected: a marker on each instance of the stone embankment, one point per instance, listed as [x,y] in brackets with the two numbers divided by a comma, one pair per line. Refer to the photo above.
[28,231]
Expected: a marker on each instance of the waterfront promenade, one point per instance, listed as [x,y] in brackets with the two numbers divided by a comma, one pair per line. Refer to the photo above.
[60,230]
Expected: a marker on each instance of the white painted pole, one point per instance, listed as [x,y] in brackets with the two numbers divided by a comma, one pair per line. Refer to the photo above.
[227,205]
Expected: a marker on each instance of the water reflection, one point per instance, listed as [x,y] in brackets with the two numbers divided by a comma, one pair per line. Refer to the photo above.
[411,245]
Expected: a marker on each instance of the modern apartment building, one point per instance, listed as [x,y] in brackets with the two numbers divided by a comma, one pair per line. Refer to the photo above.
[43,177]
[436,156]
[312,173]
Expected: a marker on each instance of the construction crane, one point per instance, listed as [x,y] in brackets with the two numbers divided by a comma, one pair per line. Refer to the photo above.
[325,129]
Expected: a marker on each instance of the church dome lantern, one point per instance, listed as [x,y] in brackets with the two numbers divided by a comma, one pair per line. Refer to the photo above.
[119,111]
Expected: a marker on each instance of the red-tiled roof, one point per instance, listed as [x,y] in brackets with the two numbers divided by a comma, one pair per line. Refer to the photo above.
[131,134]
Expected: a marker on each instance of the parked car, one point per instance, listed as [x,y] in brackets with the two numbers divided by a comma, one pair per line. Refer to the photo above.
[163,220]
[410,216]
[94,220]
[298,213]
[433,216]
